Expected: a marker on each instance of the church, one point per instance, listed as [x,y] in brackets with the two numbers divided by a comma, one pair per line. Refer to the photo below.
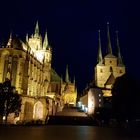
[27,64]
[107,69]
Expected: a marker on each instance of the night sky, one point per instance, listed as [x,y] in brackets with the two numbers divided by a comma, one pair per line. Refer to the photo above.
[72,28]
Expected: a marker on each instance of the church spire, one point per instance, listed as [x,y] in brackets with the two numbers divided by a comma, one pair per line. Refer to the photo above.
[67,75]
[45,43]
[9,44]
[120,62]
[74,80]
[36,30]
[27,38]
[99,58]
[109,48]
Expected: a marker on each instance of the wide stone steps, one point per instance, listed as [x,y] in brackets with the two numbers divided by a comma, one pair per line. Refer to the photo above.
[70,116]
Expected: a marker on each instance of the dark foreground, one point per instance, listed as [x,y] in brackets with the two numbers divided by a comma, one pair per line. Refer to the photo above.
[61,132]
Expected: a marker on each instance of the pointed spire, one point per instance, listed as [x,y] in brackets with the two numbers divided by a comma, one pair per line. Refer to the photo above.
[74,80]
[99,58]
[109,48]
[67,75]
[36,30]
[9,44]
[45,43]
[120,62]
[27,37]
[61,79]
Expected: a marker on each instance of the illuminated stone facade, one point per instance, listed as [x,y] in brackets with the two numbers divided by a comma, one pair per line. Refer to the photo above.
[69,91]
[27,64]
[91,100]
[108,68]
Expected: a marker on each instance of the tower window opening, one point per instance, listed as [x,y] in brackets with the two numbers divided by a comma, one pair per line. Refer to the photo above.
[111,70]
[101,70]
[120,71]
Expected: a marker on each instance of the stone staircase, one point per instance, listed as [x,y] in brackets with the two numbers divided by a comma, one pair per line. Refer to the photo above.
[70,116]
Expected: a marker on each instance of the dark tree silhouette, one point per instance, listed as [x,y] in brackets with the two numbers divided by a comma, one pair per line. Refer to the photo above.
[10,101]
[125,99]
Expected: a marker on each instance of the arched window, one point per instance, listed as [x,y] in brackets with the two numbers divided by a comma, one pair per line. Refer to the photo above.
[38,111]
[5,66]
[14,69]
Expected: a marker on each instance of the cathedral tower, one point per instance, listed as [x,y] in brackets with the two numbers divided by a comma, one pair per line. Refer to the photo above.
[27,64]
[69,90]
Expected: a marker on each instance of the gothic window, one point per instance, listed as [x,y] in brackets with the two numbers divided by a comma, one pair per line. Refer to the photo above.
[14,69]
[110,61]
[5,68]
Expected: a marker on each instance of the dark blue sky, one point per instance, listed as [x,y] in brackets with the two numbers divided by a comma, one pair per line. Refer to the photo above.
[73,31]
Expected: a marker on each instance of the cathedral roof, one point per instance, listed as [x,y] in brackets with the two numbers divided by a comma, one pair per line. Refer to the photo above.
[54,76]
[110,80]
[110,56]
[15,43]
[120,65]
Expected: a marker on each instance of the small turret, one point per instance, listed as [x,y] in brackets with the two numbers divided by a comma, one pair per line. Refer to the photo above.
[45,43]
[9,44]
[67,75]
[36,34]
[27,38]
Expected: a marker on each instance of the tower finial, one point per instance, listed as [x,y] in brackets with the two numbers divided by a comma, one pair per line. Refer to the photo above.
[9,44]
[37,29]
[99,58]
[45,43]
[27,37]
[109,48]
[120,62]
[67,75]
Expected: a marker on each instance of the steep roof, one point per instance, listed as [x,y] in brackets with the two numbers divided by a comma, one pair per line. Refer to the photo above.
[54,76]
[110,80]
[110,56]
[15,43]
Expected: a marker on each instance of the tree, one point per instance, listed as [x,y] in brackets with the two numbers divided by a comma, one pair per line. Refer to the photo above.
[125,98]
[10,100]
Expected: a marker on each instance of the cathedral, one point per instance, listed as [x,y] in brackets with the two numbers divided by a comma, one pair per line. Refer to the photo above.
[27,64]
[69,90]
